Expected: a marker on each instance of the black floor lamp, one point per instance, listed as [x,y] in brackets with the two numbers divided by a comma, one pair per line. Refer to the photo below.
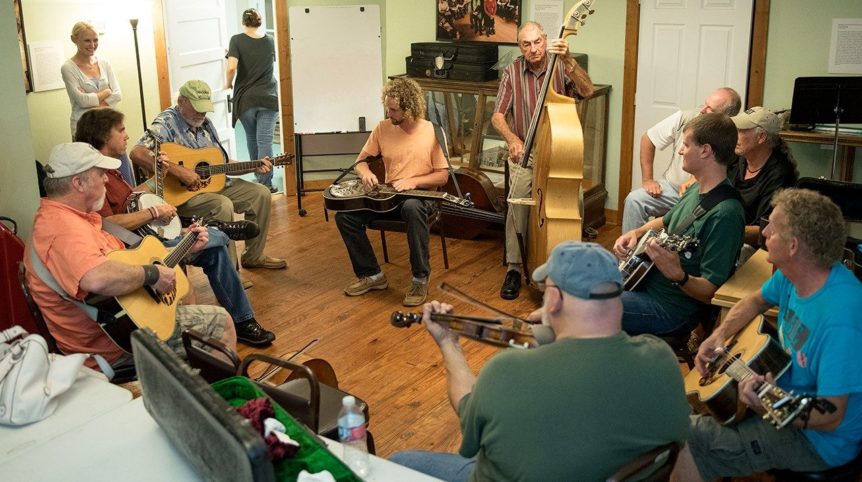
[134,23]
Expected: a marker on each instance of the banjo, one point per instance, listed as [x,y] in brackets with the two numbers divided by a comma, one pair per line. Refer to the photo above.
[140,201]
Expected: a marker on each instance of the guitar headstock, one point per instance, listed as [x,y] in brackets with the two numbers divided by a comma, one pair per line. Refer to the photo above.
[782,407]
[282,160]
[681,244]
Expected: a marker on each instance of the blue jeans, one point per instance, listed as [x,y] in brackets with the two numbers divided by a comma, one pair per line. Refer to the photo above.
[126,170]
[352,226]
[222,275]
[449,467]
[259,126]
[640,206]
[643,314]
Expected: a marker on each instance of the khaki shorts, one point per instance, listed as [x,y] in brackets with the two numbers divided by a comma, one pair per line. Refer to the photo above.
[207,319]
[750,446]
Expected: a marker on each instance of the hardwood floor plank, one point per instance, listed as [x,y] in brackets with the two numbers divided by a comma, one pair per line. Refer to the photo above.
[398,372]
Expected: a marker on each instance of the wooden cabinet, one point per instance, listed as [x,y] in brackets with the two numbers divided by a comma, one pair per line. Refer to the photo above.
[464,110]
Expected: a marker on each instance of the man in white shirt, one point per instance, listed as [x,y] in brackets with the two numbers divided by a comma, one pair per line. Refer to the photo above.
[656,198]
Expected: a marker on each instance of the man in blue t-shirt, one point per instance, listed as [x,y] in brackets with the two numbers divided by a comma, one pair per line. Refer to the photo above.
[820,327]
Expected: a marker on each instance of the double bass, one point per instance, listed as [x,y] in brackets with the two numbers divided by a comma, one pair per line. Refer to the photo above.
[556,144]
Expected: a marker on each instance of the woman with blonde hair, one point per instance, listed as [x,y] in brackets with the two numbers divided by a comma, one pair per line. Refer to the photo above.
[90,81]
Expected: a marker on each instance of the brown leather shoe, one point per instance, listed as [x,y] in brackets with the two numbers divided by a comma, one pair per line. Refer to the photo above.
[416,294]
[266,263]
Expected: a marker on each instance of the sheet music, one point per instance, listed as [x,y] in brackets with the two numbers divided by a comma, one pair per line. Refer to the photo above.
[549,13]
[845,53]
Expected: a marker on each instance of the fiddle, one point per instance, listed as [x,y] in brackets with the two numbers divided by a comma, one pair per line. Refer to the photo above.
[487,330]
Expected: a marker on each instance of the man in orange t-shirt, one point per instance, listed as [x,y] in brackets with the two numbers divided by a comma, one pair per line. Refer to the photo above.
[69,241]
[413,160]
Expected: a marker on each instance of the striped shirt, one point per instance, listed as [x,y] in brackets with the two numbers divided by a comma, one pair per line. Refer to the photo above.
[520,82]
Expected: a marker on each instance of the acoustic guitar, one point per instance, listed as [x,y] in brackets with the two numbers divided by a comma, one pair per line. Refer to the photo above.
[351,196]
[210,164]
[144,308]
[749,352]
[637,264]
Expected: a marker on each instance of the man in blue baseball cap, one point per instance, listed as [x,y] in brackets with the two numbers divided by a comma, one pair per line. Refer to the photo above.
[577,408]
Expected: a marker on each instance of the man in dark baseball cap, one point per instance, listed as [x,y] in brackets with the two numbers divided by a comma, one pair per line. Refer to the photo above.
[525,401]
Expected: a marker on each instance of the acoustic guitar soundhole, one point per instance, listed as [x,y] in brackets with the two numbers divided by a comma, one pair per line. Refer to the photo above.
[717,368]
[203,170]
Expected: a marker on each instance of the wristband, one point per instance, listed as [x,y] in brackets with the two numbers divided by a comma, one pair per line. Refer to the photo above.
[151,274]
[681,282]
[156,210]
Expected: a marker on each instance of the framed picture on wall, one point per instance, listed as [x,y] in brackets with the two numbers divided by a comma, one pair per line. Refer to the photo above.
[22,45]
[494,21]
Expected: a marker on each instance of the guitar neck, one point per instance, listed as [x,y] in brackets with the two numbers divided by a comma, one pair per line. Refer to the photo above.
[237,167]
[181,250]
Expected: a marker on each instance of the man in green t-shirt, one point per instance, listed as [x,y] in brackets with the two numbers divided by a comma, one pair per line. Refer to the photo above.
[675,294]
[575,409]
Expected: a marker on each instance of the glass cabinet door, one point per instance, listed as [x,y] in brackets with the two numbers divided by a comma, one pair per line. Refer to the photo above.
[464,110]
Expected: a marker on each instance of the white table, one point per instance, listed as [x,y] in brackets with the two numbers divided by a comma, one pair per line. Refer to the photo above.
[127,444]
[88,398]
[382,469]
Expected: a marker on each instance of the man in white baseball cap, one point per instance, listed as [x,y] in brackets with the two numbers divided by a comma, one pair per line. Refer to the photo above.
[68,250]
[76,157]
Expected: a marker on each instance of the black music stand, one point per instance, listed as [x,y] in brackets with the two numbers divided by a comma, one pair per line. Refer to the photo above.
[826,100]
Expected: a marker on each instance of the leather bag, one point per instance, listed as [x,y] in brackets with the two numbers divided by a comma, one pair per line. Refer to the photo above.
[31,378]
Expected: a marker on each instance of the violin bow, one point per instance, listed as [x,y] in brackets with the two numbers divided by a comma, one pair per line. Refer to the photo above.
[272,370]
[469,299]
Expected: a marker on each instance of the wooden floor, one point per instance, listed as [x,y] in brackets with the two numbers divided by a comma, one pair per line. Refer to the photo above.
[397,371]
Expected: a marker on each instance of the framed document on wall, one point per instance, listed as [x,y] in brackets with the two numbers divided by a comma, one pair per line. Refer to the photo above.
[22,45]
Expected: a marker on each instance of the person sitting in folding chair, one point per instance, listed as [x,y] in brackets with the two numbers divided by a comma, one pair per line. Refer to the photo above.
[414,160]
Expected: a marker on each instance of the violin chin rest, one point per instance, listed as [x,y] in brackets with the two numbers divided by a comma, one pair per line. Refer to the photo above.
[543,334]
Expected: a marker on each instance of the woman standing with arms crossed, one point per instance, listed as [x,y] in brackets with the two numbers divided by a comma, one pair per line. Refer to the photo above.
[255,99]
[90,82]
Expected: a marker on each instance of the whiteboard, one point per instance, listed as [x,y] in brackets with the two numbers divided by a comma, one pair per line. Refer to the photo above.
[336,66]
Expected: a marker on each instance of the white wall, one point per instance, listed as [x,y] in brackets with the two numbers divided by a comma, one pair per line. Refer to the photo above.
[52,20]
[19,193]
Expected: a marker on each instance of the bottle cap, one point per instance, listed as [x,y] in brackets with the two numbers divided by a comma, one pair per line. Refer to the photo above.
[348,401]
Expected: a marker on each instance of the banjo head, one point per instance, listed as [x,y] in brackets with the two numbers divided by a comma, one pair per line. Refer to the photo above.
[139,201]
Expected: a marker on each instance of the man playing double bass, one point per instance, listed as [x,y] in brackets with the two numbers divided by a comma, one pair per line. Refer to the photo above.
[516,103]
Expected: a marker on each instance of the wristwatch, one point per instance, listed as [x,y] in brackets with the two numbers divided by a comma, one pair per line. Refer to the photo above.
[681,282]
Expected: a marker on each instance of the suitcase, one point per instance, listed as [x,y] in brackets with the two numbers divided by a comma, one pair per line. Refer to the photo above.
[455,61]
[476,72]
[13,305]
[458,52]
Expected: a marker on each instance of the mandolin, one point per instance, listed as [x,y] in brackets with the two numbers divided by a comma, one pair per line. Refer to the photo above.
[210,164]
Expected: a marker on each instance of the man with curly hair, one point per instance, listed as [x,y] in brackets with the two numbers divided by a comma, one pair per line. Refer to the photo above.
[819,325]
[413,159]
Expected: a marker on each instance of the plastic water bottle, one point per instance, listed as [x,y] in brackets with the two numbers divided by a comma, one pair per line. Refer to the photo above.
[351,434]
